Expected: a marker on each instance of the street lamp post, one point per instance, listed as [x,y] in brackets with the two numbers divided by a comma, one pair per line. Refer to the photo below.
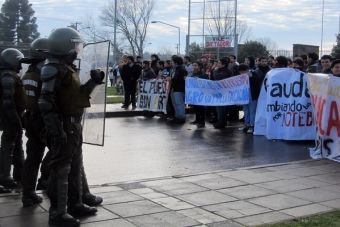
[179,33]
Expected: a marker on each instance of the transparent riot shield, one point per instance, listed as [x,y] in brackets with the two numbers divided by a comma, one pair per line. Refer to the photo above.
[95,56]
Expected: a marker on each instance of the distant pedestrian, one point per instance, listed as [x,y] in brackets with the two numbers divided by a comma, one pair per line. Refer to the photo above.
[130,73]
[178,90]
[111,77]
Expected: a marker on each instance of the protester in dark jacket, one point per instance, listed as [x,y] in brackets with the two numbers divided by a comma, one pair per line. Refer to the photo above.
[222,72]
[130,74]
[280,62]
[147,72]
[259,75]
[250,62]
[154,63]
[299,64]
[255,82]
[313,65]
[178,89]
[199,110]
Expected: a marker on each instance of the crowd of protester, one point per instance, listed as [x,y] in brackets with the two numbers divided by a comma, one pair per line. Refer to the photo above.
[178,68]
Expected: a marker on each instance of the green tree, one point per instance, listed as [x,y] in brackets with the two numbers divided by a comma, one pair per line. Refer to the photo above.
[336,49]
[195,51]
[252,48]
[17,22]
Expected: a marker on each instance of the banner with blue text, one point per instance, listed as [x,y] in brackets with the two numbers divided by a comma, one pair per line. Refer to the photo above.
[231,91]
[284,108]
[325,94]
[153,95]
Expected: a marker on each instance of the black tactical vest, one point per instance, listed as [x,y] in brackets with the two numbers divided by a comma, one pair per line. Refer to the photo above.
[72,97]
[32,85]
[19,97]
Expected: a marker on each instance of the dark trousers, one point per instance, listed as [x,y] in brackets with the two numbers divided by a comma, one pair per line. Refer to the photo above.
[200,114]
[130,93]
[35,148]
[233,112]
[11,151]
[170,108]
[44,169]
[221,115]
[65,184]
[45,172]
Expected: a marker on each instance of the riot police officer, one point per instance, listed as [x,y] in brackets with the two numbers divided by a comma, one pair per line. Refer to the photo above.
[61,104]
[36,139]
[11,108]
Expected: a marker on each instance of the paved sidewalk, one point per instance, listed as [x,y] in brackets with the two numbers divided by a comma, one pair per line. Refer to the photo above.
[241,197]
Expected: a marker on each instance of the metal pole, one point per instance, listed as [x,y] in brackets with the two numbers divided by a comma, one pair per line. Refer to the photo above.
[322,15]
[188,35]
[179,41]
[115,35]
[235,32]
[203,38]
[219,29]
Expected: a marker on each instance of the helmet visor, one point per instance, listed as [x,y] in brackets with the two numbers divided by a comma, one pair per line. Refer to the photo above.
[78,47]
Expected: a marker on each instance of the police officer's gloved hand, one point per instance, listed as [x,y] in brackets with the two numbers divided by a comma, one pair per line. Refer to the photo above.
[97,76]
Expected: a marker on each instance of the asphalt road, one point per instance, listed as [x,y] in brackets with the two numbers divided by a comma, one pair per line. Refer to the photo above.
[139,148]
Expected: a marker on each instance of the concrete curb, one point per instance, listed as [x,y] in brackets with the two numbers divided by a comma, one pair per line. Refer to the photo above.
[202,173]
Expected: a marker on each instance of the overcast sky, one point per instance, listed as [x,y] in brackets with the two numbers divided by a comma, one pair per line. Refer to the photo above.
[284,21]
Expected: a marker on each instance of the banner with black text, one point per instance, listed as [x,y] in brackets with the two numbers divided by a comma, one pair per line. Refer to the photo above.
[284,109]
[153,95]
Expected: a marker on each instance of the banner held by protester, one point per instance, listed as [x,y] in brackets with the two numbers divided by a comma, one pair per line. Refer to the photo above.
[284,109]
[153,95]
[231,91]
[325,95]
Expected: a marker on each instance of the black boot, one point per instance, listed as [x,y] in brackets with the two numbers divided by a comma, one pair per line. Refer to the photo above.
[63,220]
[6,154]
[92,200]
[4,190]
[31,199]
[57,192]
[81,210]
[9,182]
[87,197]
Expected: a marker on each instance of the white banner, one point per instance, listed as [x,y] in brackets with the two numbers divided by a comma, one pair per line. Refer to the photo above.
[325,94]
[153,95]
[231,91]
[284,109]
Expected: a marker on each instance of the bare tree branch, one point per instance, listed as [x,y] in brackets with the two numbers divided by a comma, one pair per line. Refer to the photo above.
[132,21]
[222,22]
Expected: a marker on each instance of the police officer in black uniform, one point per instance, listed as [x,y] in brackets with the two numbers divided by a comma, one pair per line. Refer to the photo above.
[61,103]
[36,139]
[12,105]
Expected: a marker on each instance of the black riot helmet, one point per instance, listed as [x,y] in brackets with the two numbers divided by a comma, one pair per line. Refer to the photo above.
[65,42]
[10,58]
[38,51]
